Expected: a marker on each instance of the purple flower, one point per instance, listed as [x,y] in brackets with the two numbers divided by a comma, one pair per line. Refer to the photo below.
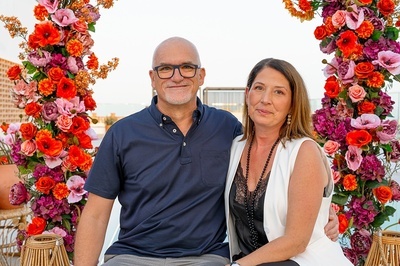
[371,168]
[39,59]
[361,241]
[352,255]
[18,194]
[49,112]
[362,211]
[395,187]
[346,71]
[394,155]
[385,102]
[50,208]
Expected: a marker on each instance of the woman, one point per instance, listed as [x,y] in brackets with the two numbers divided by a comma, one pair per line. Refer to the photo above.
[279,185]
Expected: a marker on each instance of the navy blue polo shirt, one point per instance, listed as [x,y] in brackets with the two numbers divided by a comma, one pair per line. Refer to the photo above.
[170,186]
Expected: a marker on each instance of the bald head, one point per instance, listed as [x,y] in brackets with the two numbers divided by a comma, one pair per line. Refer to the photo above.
[175,45]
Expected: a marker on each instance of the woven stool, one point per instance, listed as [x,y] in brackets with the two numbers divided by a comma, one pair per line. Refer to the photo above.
[385,249]
[44,250]
[10,222]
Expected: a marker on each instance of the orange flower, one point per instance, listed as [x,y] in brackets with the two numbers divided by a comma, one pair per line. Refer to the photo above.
[79,158]
[4,126]
[79,125]
[3,160]
[40,12]
[358,138]
[332,87]
[46,87]
[320,32]
[37,226]
[60,191]
[66,88]
[364,69]
[365,30]
[386,7]
[366,107]
[85,142]
[330,29]
[89,102]
[45,34]
[74,47]
[383,194]
[14,72]
[343,223]
[93,62]
[55,74]
[365,2]
[305,5]
[28,130]
[33,109]
[48,145]
[45,184]
[376,80]
[350,182]
[347,43]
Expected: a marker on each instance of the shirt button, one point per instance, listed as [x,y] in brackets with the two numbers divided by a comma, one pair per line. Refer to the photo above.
[164,118]
[160,124]
[184,144]
[174,130]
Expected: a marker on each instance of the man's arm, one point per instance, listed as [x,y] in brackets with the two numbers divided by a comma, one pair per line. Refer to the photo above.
[332,227]
[91,230]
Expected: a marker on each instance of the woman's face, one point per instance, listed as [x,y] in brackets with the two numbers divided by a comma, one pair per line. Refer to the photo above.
[269,99]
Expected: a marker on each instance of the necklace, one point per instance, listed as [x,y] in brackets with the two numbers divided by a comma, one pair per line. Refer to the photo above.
[250,207]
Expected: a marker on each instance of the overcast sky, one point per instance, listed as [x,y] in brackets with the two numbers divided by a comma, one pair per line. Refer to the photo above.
[231,36]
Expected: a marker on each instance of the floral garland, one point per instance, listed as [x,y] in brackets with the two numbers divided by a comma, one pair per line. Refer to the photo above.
[354,124]
[53,148]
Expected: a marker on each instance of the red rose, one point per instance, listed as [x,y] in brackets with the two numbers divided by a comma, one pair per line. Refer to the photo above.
[343,223]
[37,226]
[14,72]
[45,184]
[358,138]
[386,7]
[332,87]
[383,194]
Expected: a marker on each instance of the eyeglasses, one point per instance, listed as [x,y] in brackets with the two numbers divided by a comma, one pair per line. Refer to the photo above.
[167,71]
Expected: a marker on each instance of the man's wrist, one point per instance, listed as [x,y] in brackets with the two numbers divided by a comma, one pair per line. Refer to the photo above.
[234,263]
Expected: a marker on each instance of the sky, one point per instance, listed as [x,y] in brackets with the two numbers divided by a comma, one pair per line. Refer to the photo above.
[231,36]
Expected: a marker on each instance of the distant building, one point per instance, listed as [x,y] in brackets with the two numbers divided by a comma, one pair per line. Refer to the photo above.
[227,98]
[8,112]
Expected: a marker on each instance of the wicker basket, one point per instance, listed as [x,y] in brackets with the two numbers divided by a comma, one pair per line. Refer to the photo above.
[44,250]
[385,249]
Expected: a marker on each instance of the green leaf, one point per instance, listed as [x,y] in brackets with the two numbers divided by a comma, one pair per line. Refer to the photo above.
[392,33]
[91,27]
[376,35]
[340,199]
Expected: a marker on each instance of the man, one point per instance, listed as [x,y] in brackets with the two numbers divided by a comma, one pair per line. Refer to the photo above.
[167,164]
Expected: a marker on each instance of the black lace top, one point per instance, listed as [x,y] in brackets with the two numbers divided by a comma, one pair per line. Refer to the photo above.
[237,208]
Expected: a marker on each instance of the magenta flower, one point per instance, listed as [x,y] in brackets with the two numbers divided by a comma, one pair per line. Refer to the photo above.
[361,241]
[389,60]
[18,194]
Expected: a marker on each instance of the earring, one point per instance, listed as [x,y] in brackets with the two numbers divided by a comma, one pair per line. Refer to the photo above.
[289,119]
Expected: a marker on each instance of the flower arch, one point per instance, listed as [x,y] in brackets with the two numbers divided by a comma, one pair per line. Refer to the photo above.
[354,123]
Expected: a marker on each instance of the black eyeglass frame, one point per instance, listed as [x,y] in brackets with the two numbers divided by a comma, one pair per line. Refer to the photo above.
[179,70]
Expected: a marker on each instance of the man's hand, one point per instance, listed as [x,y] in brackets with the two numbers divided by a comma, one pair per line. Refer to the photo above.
[332,227]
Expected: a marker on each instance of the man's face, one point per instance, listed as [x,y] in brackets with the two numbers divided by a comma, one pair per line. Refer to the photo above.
[176,90]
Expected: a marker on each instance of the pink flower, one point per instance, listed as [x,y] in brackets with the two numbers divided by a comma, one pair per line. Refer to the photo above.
[346,71]
[64,17]
[330,147]
[387,131]
[28,147]
[366,121]
[395,187]
[75,183]
[339,19]
[354,18]
[331,68]
[389,60]
[335,207]
[64,122]
[56,230]
[357,93]
[335,176]
[50,5]
[353,157]
[39,59]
